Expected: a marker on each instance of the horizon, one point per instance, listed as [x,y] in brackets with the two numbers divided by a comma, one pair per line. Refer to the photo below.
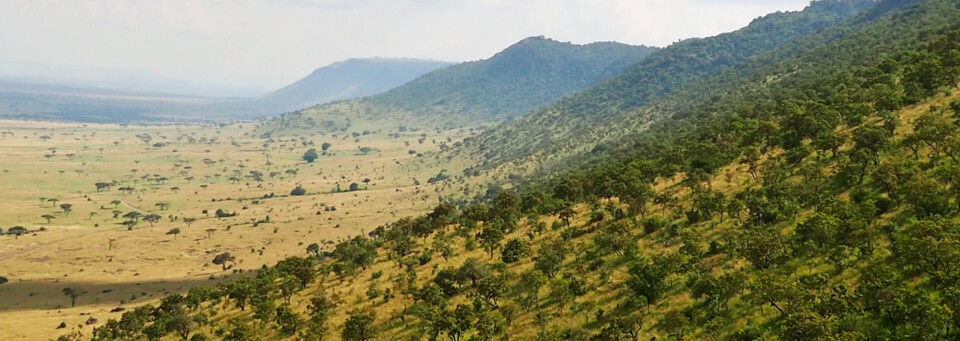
[240,49]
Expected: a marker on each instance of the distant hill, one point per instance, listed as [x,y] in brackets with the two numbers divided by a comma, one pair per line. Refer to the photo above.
[352,78]
[532,72]
[524,76]
[347,79]
[40,101]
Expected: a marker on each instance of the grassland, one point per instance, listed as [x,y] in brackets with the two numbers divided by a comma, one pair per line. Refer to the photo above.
[192,171]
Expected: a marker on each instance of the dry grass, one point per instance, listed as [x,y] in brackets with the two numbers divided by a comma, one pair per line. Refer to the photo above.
[144,264]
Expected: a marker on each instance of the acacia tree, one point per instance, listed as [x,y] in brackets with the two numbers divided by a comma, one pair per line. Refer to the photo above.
[152,219]
[223,258]
[48,217]
[174,231]
[73,294]
[16,231]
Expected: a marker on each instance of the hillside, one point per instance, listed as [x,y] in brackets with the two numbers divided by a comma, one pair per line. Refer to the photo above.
[352,78]
[526,75]
[617,107]
[821,203]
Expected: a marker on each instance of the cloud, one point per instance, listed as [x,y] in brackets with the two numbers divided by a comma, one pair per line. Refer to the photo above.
[270,43]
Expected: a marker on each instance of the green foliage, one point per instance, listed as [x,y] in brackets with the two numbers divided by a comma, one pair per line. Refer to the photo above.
[359,326]
[310,155]
[583,116]
[513,250]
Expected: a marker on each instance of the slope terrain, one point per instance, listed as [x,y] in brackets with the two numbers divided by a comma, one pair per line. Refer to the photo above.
[811,205]
[352,78]
[528,74]
[624,104]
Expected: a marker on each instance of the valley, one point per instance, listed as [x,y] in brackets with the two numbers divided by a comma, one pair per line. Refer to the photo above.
[794,179]
[183,174]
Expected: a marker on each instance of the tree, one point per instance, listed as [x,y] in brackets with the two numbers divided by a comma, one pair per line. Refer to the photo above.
[314,248]
[73,294]
[325,146]
[359,326]
[647,279]
[359,251]
[560,293]
[288,320]
[301,268]
[180,324]
[566,213]
[675,323]
[459,321]
[174,231]
[16,231]
[491,288]
[66,208]
[310,155]
[490,238]
[102,186]
[152,219]
[239,331]
[513,250]
[762,246]
[550,257]
[48,217]
[222,259]
[298,191]
[818,229]
[319,309]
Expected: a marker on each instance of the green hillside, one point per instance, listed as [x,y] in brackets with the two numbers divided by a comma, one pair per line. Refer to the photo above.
[812,193]
[622,104]
[526,75]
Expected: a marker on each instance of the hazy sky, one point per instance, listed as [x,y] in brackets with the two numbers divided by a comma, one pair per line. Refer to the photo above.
[265,44]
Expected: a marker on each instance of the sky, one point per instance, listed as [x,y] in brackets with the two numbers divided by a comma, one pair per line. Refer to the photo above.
[244,47]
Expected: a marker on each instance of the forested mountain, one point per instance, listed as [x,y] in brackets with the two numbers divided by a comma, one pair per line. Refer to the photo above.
[576,123]
[352,78]
[809,193]
[528,74]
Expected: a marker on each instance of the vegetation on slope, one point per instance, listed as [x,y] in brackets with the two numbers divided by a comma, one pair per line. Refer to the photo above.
[824,206]
[578,121]
[528,74]
[352,78]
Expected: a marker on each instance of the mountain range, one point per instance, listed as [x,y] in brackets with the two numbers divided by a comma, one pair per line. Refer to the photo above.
[533,72]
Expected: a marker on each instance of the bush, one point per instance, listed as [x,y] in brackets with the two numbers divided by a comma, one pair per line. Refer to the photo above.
[221,213]
[310,155]
[298,191]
